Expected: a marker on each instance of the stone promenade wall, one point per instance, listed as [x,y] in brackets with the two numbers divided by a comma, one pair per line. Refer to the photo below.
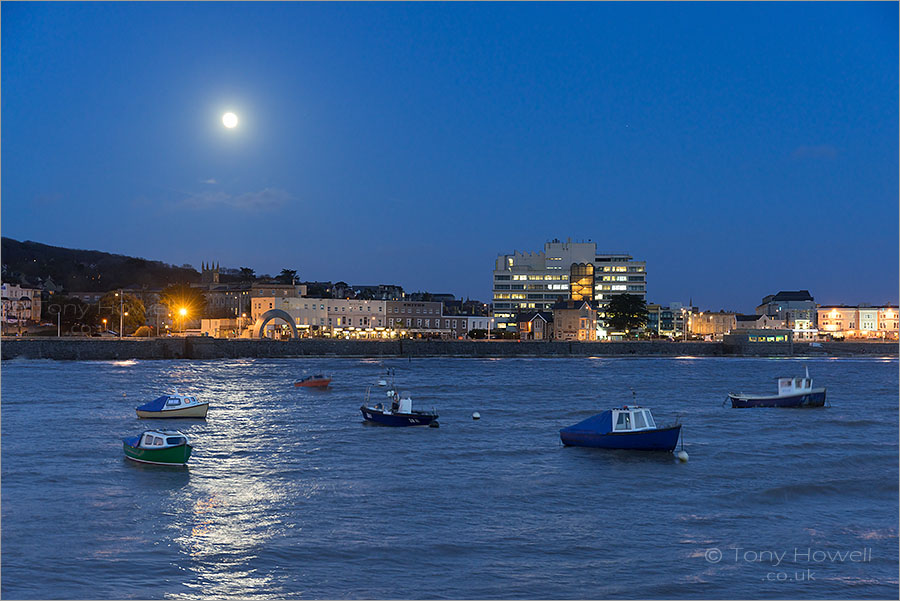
[211,348]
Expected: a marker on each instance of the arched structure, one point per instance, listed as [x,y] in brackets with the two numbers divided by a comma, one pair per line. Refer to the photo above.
[260,325]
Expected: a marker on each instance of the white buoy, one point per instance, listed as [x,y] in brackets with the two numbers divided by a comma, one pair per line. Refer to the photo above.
[476,415]
[123,394]
[681,456]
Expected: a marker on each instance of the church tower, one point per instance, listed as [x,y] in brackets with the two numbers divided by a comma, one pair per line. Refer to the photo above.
[209,273]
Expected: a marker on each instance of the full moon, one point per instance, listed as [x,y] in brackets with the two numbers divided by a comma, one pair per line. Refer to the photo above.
[229,120]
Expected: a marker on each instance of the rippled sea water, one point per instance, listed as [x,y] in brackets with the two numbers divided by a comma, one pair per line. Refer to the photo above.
[289,495]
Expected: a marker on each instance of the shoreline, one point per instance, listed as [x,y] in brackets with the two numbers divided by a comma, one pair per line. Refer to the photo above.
[193,348]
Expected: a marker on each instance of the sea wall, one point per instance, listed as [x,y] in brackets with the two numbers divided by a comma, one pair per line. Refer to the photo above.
[211,348]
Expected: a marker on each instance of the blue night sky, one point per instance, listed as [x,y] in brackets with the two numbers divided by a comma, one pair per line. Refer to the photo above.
[739,149]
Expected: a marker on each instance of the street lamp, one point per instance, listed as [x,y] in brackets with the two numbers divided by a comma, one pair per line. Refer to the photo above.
[183,312]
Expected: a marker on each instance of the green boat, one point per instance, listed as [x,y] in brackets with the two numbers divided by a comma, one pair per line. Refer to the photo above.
[161,447]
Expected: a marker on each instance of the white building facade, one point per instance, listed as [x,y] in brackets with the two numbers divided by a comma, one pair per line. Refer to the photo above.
[863,322]
[366,318]
[20,305]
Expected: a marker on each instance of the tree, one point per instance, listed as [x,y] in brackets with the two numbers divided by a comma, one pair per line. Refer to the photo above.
[318,289]
[176,297]
[72,314]
[287,276]
[626,312]
[247,274]
[135,313]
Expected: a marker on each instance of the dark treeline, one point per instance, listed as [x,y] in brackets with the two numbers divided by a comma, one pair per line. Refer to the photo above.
[32,263]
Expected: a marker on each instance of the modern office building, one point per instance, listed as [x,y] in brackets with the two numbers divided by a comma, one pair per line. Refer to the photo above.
[527,282]
[661,321]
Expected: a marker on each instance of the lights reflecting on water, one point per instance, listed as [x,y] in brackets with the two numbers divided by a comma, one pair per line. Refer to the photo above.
[288,495]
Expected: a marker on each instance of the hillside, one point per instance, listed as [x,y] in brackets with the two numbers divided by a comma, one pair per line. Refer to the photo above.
[85,270]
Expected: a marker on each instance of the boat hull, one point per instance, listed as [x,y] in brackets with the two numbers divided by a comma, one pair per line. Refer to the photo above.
[401,420]
[198,410]
[313,383]
[661,439]
[813,398]
[169,456]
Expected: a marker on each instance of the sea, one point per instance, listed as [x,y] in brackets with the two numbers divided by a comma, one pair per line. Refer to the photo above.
[289,495]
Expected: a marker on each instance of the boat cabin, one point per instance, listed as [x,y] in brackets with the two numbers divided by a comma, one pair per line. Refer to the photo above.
[632,419]
[176,400]
[160,439]
[794,385]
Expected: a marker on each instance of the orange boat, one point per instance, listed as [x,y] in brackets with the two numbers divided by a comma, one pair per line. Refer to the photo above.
[316,381]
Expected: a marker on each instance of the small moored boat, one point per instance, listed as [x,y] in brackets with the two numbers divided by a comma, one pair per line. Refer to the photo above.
[631,428]
[792,392]
[400,413]
[161,447]
[174,405]
[316,381]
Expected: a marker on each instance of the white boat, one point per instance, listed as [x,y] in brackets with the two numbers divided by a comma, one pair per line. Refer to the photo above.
[172,405]
[792,392]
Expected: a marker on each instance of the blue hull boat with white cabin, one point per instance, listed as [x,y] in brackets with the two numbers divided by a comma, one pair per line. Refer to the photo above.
[628,428]
[792,392]
[174,405]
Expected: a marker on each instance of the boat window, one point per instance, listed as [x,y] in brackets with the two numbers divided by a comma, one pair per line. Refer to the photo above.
[639,420]
[173,400]
[175,440]
[157,442]
[148,440]
[650,421]
[624,421]
[190,399]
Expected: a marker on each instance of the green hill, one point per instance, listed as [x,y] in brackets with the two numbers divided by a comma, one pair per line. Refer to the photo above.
[77,270]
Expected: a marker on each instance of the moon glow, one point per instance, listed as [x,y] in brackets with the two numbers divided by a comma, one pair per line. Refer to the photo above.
[229,120]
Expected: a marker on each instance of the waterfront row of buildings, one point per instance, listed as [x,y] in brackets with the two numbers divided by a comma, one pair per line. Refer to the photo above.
[561,292]
[529,286]
[835,322]
[273,317]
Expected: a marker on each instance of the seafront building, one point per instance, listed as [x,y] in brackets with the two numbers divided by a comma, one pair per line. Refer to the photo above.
[858,322]
[758,322]
[668,321]
[712,326]
[574,320]
[362,318]
[534,281]
[796,308]
[535,325]
[20,305]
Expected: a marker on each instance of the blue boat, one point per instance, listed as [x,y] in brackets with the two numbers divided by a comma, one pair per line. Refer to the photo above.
[630,428]
[174,405]
[792,392]
[399,414]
